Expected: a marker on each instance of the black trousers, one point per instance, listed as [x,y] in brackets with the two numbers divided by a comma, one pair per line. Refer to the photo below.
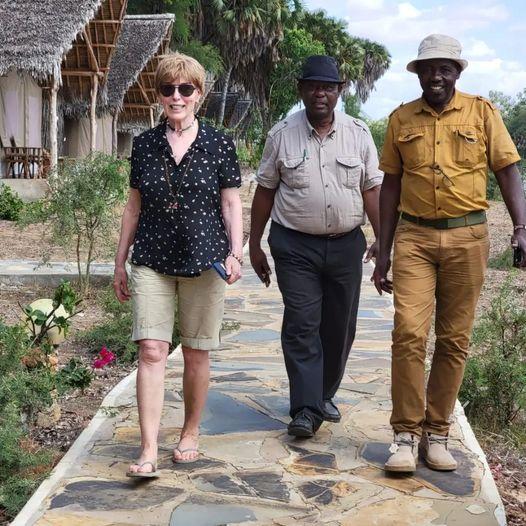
[319,279]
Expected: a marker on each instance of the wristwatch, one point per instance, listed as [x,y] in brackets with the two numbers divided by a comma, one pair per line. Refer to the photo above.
[519,227]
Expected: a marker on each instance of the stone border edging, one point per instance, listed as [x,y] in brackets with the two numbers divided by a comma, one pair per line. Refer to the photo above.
[30,512]
[487,483]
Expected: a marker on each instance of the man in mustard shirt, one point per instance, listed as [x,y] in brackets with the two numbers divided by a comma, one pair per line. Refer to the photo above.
[432,203]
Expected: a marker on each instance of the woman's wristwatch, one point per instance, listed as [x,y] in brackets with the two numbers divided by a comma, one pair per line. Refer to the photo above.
[239,259]
[519,227]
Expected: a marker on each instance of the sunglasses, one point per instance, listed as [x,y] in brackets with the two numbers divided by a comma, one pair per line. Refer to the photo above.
[185,90]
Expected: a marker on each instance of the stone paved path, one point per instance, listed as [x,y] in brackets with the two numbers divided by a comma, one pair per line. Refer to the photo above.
[251,471]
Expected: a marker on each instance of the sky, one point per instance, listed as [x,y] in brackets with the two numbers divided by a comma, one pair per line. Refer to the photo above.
[492,34]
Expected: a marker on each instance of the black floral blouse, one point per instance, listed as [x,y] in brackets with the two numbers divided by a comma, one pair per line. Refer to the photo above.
[185,239]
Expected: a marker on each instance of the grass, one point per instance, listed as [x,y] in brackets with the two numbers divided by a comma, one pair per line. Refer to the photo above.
[502,261]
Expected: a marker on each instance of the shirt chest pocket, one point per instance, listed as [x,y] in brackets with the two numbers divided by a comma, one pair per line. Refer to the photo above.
[411,145]
[468,148]
[293,172]
[349,171]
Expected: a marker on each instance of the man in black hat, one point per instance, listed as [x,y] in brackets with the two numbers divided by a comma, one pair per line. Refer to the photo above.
[317,179]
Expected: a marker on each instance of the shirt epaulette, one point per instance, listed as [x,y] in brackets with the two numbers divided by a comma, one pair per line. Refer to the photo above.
[487,101]
[278,127]
[360,124]
[396,109]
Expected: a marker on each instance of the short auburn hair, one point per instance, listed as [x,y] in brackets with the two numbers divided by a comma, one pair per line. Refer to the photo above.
[177,66]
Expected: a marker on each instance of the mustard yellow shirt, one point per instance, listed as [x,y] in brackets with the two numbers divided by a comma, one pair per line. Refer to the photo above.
[444,158]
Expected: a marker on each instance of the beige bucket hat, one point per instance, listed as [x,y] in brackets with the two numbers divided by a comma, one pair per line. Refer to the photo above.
[438,46]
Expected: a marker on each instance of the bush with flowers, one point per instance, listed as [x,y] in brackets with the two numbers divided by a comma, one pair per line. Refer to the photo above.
[30,384]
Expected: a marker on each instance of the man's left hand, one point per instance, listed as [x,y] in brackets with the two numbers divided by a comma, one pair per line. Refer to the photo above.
[372,252]
[519,238]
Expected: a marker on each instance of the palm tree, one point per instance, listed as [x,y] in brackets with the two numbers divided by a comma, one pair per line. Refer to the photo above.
[245,32]
[361,62]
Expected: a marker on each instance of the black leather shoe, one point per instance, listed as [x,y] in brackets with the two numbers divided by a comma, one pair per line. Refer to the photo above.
[302,425]
[331,412]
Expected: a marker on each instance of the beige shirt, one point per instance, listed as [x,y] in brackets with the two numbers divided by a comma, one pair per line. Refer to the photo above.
[319,182]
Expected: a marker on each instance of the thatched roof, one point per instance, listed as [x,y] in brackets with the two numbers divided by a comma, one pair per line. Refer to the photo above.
[35,35]
[140,39]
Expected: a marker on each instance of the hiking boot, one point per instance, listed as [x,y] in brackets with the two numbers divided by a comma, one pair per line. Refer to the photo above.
[436,453]
[404,451]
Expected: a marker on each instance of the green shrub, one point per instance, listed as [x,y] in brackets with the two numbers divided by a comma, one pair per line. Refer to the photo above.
[494,388]
[492,189]
[74,375]
[11,205]
[115,332]
[28,384]
[82,207]
[28,389]
[22,467]
[502,261]
[249,157]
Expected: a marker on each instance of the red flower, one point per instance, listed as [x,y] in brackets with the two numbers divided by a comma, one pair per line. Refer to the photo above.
[105,358]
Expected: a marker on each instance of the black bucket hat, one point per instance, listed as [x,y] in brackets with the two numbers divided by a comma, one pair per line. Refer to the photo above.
[320,67]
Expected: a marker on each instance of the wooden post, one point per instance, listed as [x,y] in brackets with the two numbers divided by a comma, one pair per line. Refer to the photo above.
[114,137]
[152,118]
[53,123]
[93,112]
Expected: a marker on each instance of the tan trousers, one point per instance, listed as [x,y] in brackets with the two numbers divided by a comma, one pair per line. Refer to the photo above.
[428,264]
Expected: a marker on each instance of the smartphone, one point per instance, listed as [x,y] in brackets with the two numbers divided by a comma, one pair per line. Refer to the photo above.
[220,268]
[517,256]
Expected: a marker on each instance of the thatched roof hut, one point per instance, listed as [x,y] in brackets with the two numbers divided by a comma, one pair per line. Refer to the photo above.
[36,35]
[142,40]
[64,45]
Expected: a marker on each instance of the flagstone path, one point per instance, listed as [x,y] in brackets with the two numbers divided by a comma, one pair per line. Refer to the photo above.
[251,471]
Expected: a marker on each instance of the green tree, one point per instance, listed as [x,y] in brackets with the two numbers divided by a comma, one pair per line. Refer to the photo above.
[81,207]
[283,94]
[378,129]
[352,105]
[361,62]
[246,32]
[185,35]
[513,111]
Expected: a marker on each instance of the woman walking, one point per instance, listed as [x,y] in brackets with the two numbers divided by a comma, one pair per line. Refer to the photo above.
[183,214]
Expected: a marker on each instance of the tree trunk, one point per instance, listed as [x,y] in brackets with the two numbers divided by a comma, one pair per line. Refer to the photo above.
[114,135]
[93,112]
[53,124]
[266,122]
[221,116]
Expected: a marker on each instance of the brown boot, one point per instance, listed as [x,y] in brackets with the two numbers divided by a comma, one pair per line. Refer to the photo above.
[436,452]
[405,452]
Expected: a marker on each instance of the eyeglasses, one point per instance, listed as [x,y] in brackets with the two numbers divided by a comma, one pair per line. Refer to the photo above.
[185,90]
[326,88]
[446,180]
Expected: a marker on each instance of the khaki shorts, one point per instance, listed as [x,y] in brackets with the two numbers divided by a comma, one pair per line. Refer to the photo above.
[200,307]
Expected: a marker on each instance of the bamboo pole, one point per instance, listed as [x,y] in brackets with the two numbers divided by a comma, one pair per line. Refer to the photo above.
[93,112]
[114,137]
[53,123]
[152,118]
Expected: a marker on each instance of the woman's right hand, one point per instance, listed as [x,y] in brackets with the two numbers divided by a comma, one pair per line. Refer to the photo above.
[120,284]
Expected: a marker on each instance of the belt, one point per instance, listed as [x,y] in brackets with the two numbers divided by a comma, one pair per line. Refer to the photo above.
[473,218]
[332,236]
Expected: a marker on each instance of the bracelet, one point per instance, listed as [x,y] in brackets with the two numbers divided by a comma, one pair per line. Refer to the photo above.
[236,257]
[519,227]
